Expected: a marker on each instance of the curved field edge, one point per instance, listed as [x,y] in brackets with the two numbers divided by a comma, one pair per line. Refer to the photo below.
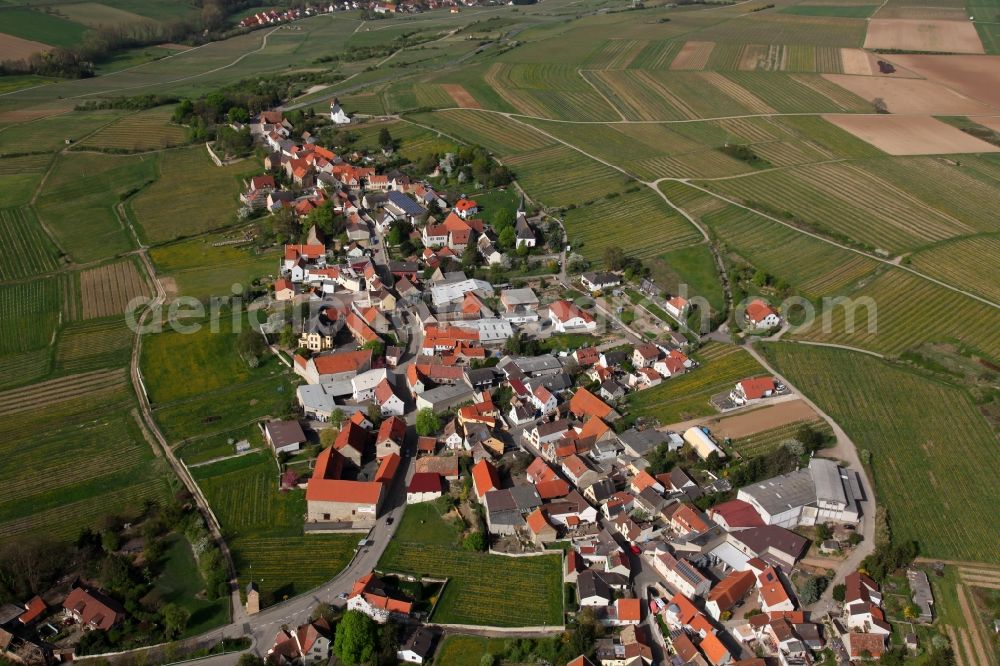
[927,446]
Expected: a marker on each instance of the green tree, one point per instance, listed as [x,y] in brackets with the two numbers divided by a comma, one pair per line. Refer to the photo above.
[175,620]
[356,639]
[427,422]
[250,345]
[377,347]
[249,659]
[504,219]
[385,139]
[110,541]
[475,542]
[507,238]
[337,417]
[614,258]
[839,592]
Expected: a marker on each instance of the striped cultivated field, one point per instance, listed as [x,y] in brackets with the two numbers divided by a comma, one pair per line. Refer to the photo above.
[25,249]
[548,91]
[100,385]
[765,441]
[30,312]
[813,267]
[107,290]
[492,131]
[98,343]
[644,226]
[970,263]
[656,55]
[616,54]
[929,446]
[798,93]
[265,560]
[146,130]
[897,311]
[844,199]
[764,28]
[579,179]
[23,368]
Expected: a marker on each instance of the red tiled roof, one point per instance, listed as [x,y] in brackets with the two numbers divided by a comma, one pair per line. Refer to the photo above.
[714,649]
[465,204]
[393,428]
[552,489]
[584,403]
[33,610]
[737,513]
[485,477]
[387,468]
[425,482]
[629,610]
[537,521]
[564,311]
[352,435]
[758,311]
[332,364]
[91,609]
[733,587]
[757,387]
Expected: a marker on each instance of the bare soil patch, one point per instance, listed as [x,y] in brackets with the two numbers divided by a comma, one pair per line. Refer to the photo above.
[987,121]
[911,135]
[913,96]
[461,96]
[923,35]
[976,77]
[856,62]
[15,48]
[766,418]
[748,423]
[693,55]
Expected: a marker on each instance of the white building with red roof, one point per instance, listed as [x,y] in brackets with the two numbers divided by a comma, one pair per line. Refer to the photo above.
[753,388]
[760,315]
[567,317]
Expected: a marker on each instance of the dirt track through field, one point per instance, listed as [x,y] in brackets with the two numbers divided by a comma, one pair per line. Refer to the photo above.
[961,647]
[972,622]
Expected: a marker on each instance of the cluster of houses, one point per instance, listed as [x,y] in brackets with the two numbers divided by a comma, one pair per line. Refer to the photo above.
[84,608]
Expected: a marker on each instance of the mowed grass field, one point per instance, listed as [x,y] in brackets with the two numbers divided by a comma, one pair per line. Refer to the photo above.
[482,589]
[263,527]
[200,270]
[79,197]
[41,27]
[191,195]
[19,178]
[687,397]
[930,448]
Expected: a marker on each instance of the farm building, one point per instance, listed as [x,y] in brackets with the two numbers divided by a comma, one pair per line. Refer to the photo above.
[703,445]
[331,499]
[284,436]
[424,487]
[822,492]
